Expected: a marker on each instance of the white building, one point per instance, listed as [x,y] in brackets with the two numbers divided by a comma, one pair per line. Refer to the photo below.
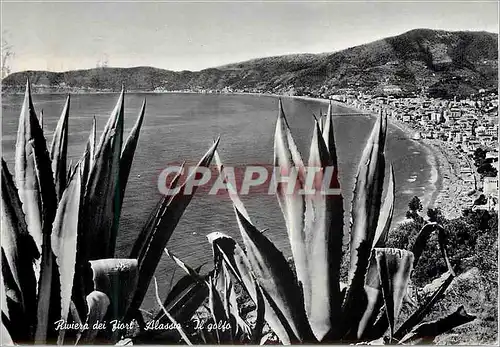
[490,186]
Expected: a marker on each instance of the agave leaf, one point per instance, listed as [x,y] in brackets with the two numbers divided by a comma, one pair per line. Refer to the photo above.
[377,342]
[372,302]
[329,135]
[225,248]
[425,308]
[278,320]
[221,281]
[336,208]
[367,201]
[41,119]
[98,303]
[394,267]
[126,158]
[128,151]
[84,165]
[287,161]
[81,282]
[386,213]
[172,320]
[230,304]
[48,300]
[36,187]
[266,338]
[374,322]
[421,242]
[113,123]
[257,331]
[187,269]
[59,150]
[102,190]
[117,278]
[64,240]
[372,280]
[19,251]
[6,339]
[324,233]
[184,282]
[13,313]
[144,238]
[125,342]
[374,311]
[218,312]
[242,328]
[321,120]
[230,252]
[70,170]
[365,212]
[92,142]
[232,190]
[163,225]
[426,332]
[274,276]
[75,316]
[238,325]
[184,302]
[87,160]
[184,299]
[379,323]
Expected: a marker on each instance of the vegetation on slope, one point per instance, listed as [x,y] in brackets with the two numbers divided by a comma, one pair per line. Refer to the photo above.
[445,63]
[473,247]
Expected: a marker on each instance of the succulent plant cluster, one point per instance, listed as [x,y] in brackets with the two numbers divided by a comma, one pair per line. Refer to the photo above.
[312,305]
[60,225]
[59,231]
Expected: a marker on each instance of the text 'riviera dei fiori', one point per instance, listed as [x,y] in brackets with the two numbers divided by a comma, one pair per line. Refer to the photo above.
[151,325]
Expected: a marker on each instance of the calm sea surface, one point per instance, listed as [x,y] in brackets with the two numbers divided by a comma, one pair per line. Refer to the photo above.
[182,127]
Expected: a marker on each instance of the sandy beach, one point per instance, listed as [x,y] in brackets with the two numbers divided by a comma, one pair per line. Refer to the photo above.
[450,189]
[452,192]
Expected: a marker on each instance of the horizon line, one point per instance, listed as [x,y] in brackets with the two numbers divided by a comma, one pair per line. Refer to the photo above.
[250,59]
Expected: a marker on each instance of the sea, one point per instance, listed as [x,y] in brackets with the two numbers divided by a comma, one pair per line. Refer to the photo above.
[182,126]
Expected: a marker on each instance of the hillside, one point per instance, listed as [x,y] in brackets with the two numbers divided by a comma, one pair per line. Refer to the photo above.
[445,63]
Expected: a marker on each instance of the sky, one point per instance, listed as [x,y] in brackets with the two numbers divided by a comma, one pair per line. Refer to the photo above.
[61,36]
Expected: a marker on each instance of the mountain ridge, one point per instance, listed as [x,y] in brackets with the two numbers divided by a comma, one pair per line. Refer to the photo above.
[444,63]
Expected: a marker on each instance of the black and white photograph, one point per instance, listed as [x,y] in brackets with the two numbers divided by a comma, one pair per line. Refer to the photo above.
[249,172]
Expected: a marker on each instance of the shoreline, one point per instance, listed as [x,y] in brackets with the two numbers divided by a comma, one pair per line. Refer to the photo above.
[434,156]
[451,191]
[445,175]
[448,189]
[433,159]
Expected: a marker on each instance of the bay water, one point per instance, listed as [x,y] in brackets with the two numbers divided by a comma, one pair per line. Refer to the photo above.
[181,127]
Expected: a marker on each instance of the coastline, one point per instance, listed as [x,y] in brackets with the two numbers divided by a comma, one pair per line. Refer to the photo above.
[447,184]
[436,161]
[445,176]
[450,189]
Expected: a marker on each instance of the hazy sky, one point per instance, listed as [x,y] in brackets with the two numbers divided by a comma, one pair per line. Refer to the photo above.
[69,35]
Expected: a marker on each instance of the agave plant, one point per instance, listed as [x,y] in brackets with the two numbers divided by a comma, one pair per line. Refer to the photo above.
[59,231]
[219,320]
[313,305]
